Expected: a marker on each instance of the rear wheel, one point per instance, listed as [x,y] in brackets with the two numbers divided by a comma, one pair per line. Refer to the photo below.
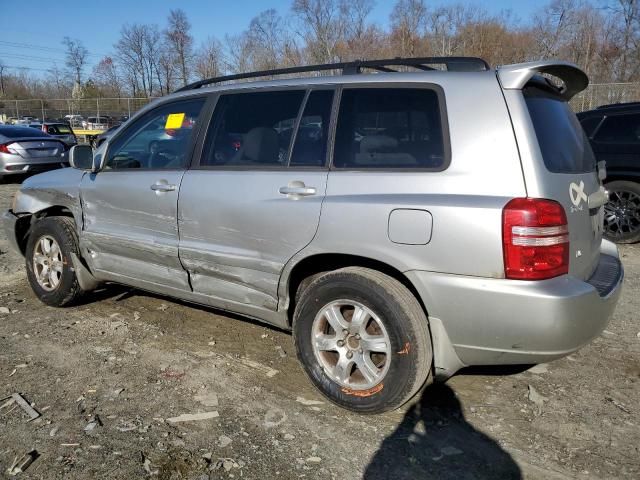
[622,212]
[48,261]
[363,339]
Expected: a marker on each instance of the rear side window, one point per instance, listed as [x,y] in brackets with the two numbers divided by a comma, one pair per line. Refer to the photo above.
[564,145]
[59,129]
[620,129]
[310,148]
[253,129]
[389,128]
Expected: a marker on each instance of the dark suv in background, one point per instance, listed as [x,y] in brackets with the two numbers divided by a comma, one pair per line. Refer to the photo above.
[614,133]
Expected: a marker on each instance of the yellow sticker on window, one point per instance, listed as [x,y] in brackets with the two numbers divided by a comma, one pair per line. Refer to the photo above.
[174,120]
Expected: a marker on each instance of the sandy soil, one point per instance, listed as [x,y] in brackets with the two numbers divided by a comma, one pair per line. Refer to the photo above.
[109,375]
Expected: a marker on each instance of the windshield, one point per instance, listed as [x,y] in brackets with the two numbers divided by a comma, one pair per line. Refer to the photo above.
[565,147]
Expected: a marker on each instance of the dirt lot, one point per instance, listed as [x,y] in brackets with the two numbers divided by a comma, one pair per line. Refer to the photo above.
[109,375]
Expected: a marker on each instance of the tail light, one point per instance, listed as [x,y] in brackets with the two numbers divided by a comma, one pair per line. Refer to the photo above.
[535,239]
[4,148]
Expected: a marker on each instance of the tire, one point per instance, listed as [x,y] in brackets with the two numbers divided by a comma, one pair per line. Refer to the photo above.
[392,314]
[61,230]
[622,212]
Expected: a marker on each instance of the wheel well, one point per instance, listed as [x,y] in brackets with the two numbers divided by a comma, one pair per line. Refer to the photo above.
[24,223]
[308,269]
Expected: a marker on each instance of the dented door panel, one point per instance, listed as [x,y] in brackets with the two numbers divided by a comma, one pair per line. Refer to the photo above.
[237,230]
[131,230]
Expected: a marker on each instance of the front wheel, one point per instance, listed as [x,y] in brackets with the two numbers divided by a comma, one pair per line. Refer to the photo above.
[48,261]
[622,212]
[363,339]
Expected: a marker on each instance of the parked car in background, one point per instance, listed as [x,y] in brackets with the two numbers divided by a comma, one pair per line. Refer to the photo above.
[75,120]
[614,134]
[27,150]
[61,131]
[97,123]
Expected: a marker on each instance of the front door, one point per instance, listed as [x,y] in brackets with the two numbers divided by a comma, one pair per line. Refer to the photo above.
[255,198]
[130,207]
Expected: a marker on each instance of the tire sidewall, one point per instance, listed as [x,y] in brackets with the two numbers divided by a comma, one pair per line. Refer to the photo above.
[401,374]
[53,228]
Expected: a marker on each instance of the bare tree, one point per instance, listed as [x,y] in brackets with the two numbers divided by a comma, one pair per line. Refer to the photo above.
[106,77]
[209,60]
[407,26]
[181,41]
[2,69]
[319,27]
[76,57]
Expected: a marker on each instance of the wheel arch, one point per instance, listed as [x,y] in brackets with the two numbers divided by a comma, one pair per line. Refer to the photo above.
[27,220]
[305,269]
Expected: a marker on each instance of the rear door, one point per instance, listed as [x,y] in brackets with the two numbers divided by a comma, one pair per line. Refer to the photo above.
[254,199]
[130,225]
[566,172]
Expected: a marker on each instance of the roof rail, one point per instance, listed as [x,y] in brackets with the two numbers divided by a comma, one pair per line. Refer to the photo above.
[457,64]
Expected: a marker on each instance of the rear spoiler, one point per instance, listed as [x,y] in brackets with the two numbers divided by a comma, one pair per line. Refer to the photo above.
[516,77]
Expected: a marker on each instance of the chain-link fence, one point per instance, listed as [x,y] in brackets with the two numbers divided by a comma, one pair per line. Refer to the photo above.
[598,94]
[115,110]
[112,110]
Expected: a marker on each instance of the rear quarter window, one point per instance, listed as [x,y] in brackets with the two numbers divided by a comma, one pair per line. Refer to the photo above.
[563,143]
[390,128]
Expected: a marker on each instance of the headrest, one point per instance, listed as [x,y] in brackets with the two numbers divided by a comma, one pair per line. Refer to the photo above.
[378,144]
[261,145]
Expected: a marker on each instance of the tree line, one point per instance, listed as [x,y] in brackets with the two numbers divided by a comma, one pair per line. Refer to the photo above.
[600,36]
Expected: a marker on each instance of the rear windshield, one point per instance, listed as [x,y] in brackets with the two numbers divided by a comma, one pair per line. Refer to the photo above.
[18,132]
[565,147]
[59,129]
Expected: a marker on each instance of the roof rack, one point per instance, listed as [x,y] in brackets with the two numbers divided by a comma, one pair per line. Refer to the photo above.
[457,64]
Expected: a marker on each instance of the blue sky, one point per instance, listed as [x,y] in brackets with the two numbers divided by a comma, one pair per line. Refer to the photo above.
[32,31]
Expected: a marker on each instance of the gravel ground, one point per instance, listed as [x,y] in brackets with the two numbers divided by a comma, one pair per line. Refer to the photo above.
[109,376]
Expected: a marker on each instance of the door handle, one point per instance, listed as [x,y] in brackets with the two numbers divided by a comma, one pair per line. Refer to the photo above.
[162,187]
[297,189]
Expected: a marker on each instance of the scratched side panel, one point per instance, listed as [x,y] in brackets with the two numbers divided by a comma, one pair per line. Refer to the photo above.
[131,230]
[237,231]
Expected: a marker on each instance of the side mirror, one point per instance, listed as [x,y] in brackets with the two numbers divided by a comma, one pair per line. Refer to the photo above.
[81,157]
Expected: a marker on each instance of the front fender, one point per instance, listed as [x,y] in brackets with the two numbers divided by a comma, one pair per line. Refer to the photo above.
[55,189]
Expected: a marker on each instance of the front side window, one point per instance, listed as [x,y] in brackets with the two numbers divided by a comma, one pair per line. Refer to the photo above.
[620,129]
[389,128]
[159,139]
[253,129]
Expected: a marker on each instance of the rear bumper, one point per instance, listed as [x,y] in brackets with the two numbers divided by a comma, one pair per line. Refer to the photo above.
[21,165]
[9,220]
[497,321]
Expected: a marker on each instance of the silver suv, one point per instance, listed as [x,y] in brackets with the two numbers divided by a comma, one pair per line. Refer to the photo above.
[402,224]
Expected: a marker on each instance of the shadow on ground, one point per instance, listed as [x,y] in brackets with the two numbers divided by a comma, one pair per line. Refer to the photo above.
[434,441]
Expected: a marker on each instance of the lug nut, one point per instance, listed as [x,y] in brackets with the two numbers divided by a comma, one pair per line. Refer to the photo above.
[340,343]
[349,354]
[358,336]
[345,332]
